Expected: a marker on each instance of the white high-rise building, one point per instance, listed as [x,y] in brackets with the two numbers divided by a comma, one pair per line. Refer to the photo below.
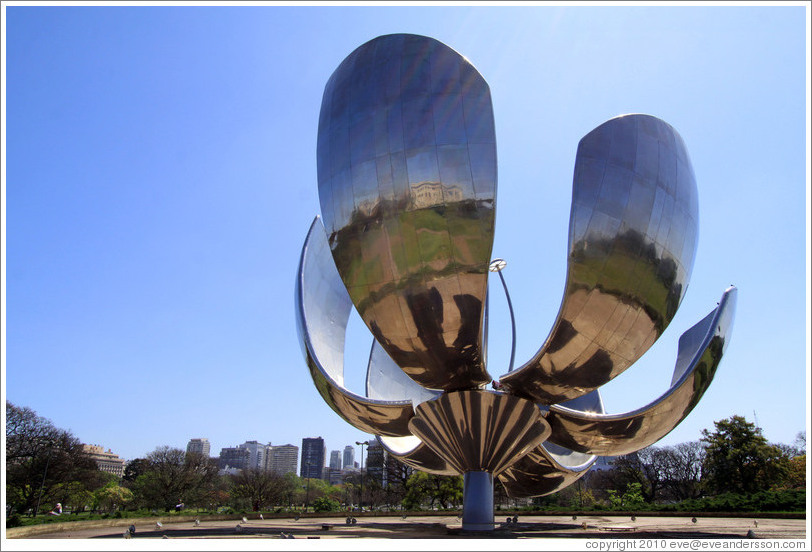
[199,446]
[282,459]
[256,454]
[335,459]
[349,458]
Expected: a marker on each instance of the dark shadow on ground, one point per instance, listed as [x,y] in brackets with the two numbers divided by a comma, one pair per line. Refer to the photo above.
[423,531]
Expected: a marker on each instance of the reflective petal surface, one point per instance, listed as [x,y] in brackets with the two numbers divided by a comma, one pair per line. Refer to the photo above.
[407,185]
[322,312]
[412,452]
[700,350]
[407,177]
[479,430]
[632,240]
[547,469]
[387,382]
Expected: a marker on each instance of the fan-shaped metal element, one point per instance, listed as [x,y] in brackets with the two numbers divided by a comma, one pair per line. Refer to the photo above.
[700,351]
[632,239]
[322,313]
[478,430]
[407,186]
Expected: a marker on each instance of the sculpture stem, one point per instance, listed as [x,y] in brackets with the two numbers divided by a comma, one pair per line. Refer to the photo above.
[477,501]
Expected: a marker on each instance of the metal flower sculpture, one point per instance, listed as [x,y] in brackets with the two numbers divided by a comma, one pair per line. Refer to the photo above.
[407,186]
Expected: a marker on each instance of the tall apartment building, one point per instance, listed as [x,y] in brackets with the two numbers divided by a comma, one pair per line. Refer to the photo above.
[199,446]
[376,462]
[313,453]
[349,458]
[335,460]
[334,476]
[256,454]
[282,459]
[234,457]
[106,461]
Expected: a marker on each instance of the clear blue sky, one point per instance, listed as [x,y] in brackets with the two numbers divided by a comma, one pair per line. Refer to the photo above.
[160,177]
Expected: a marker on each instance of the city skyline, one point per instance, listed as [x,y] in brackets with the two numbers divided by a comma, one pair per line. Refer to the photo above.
[160,177]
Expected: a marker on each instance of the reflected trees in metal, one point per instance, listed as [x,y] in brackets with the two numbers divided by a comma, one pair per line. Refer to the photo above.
[406,158]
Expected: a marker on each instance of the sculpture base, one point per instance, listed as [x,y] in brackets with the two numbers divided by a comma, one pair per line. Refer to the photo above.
[477,501]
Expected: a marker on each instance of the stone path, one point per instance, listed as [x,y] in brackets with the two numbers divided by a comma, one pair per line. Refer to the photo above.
[445,527]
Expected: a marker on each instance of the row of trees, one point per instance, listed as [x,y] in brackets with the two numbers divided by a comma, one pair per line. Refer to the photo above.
[44,462]
[46,465]
[735,458]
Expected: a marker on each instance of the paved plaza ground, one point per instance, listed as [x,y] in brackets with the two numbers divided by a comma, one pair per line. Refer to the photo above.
[435,527]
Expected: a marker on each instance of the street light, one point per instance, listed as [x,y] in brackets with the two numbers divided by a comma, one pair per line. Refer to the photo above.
[307,491]
[361,497]
[496,266]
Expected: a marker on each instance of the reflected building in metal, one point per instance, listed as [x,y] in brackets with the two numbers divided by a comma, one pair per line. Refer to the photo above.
[407,185]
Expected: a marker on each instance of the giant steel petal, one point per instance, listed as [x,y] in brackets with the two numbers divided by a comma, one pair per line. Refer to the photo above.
[387,382]
[407,185]
[632,242]
[699,352]
[322,313]
[415,454]
[547,469]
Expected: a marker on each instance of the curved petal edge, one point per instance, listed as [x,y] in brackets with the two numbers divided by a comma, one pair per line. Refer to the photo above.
[700,351]
[322,312]
[547,469]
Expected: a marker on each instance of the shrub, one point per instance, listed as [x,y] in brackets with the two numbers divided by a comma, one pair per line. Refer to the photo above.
[324,504]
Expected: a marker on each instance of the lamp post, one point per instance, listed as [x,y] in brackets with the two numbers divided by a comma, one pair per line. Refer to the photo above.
[361,497]
[307,489]
[496,266]
[42,485]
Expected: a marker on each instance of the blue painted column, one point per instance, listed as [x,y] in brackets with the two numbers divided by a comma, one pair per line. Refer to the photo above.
[477,501]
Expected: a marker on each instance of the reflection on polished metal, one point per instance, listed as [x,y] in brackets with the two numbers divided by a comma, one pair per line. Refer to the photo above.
[407,184]
[323,309]
[478,430]
[632,239]
[700,350]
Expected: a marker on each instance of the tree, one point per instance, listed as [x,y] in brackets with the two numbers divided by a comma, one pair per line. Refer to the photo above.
[684,471]
[631,498]
[262,489]
[647,467]
[398,474]
[325,504]
[111,497]
[800,442]
[134,468]
[41,459]
[173,477]
[443,490]
[76,497]
[739,459]
[796,475]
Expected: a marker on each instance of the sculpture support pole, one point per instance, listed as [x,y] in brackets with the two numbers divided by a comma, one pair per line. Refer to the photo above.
[477,501]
